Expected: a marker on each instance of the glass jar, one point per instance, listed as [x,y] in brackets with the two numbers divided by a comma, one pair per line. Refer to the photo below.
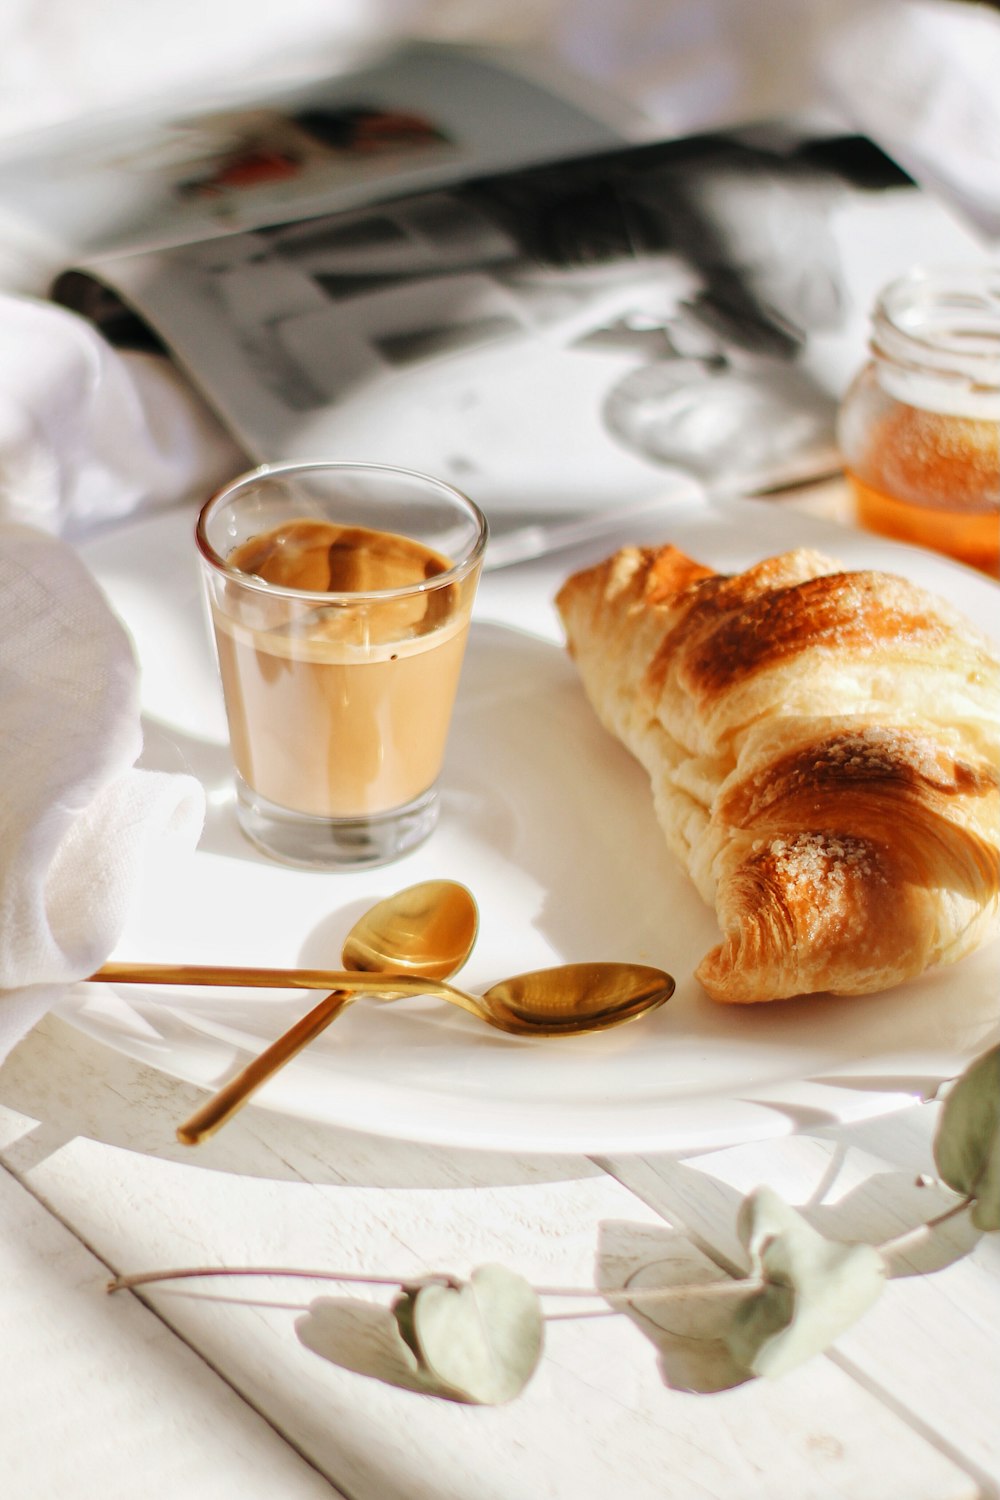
[919,427]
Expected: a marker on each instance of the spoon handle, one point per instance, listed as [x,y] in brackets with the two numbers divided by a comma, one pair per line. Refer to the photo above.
[221,1107]
[268,979]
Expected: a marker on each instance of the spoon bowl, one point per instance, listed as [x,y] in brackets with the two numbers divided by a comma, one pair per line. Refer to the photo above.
[428,929]
[568,1000]
[575,998]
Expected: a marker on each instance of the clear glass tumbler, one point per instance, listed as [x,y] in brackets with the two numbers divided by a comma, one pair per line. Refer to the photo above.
[341,596]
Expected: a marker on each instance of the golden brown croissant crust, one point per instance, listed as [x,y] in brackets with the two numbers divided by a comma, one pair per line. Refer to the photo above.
[823,748]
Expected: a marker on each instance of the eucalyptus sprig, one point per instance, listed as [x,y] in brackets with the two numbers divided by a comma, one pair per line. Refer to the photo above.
[480,1340]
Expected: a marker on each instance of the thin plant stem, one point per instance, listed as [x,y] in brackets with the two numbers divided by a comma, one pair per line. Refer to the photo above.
[610,1294]
[626,1295]
[186,1273]
[919,1232]
[623,1295]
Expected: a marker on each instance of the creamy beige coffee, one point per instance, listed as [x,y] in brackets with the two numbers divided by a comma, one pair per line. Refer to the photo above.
[340,709]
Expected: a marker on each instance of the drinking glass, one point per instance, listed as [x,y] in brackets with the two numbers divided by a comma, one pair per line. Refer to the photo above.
[340,596]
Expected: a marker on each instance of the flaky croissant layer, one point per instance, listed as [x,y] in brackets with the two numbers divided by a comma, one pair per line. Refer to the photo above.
[823,748]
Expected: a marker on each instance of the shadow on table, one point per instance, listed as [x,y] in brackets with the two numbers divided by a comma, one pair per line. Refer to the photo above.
[686,1331]
[846,1202]
[68,1086]
[684,1302]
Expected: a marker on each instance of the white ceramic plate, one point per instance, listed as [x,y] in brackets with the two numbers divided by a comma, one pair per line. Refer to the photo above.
[550,823]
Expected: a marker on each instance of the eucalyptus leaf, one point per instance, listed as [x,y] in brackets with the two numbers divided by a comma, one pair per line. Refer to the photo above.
[371,1340]
[813,1287]
[967,1141]
[480,1340]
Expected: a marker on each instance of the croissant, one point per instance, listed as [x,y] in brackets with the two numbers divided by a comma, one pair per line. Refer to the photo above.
[823,748]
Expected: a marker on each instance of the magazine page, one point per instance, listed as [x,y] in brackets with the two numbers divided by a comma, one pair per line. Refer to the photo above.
[425,114]
[560,338]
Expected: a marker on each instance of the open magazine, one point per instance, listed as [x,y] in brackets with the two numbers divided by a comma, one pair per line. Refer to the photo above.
[587,323]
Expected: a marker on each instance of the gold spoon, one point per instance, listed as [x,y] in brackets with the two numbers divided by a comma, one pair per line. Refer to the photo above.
[427,930]
[564,1001]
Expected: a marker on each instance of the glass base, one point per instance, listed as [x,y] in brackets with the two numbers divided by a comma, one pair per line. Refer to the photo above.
[314,843]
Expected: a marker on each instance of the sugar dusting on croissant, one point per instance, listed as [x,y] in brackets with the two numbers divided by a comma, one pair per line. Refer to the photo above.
[823,748]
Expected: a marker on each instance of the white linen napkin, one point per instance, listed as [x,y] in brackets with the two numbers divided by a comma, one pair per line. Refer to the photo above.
[90,434]
[77,817]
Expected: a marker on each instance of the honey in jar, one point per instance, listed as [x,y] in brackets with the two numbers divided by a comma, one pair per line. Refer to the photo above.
[920,425]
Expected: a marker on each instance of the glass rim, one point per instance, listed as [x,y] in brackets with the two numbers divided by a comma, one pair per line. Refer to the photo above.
[925,290]
[455,574]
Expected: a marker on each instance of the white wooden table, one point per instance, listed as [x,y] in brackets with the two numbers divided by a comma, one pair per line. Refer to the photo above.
[203,1390]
